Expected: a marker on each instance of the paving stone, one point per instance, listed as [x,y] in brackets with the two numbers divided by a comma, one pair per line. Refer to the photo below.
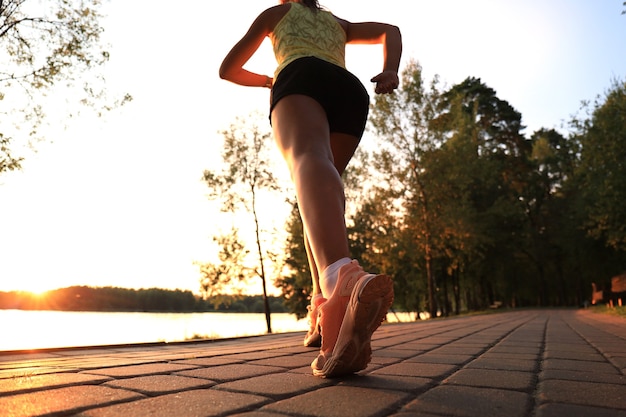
[439,358]
[198,403]
[64,361]
[573,355]
[381,360]
[389,341]
[159,384]
[12,358]
[298,347]
[519,347]
[583,393]
[231,372]
[277,386]
[588,376]
[534,338]
[503,364]
[212,361]
[29,371]
[619,361]
[249,356]
[600,367]
[569,410]
[490,378]
[468,343]
[340,401]
[459,350]
[418,347]
[424,370]
[415,414]
[293,361]
[455,367]
[571,347]
[514,356]
[110,361]
[138,370]
[258,414]
[62,400]
[411,384]
[27,383]
[397,353]
[610,343]
[460,401]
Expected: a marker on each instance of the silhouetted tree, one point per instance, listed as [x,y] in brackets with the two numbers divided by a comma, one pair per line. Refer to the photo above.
[44,45]
[238,186]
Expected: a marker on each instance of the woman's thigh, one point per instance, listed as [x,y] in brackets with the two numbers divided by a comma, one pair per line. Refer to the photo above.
[301,128]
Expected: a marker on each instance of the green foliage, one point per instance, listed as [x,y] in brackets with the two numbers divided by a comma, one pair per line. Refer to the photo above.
[402,122]
[244,304]
[43,46]
[602,170]
[8,162]
[248,167]
[223,277]
[238,186]
[464,210]
[296,287]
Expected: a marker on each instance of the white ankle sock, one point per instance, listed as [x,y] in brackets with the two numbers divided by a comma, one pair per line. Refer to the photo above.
[328,280]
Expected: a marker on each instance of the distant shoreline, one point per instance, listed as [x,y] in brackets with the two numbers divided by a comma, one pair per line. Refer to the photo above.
[125,300]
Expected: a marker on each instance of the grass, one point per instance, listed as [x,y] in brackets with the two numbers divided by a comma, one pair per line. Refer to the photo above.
[615,311]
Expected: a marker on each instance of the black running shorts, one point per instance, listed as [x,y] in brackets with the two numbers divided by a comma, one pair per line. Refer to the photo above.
[338,91]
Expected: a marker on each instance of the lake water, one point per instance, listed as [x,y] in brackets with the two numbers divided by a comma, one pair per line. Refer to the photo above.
[23,330]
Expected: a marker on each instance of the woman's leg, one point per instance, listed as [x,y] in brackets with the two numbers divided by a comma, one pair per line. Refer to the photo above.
[302,135]
[315,272]
[342,147]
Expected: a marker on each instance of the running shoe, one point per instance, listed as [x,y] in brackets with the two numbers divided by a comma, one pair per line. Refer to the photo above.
[313,337]
[348,319]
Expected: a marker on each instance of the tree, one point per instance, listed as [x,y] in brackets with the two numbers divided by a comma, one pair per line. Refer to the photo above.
[491,161]
[239,186]
[297,286]
[602,171]
[457,164]
[42,46]
[402,122]
[218,278]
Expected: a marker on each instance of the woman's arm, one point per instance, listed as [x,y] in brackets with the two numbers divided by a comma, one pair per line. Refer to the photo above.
[391,39]
[232,66]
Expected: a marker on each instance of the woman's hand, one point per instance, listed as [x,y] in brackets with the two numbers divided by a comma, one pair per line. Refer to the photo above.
[386,82]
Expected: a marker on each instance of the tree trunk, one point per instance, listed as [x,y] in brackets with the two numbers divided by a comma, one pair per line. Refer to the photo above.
[457,291]
[266,303]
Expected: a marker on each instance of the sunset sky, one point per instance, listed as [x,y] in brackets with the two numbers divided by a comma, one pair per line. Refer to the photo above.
[118,201]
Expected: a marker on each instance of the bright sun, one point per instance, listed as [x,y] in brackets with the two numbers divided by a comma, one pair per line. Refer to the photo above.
[39,293]
[35,288]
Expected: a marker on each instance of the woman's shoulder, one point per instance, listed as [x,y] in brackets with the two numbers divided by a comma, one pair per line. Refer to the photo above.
[342,22]
[274,14]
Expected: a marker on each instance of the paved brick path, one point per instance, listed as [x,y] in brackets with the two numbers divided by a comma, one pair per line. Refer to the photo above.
[526,363]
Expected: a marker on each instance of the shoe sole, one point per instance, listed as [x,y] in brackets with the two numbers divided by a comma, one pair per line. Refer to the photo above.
[369,302]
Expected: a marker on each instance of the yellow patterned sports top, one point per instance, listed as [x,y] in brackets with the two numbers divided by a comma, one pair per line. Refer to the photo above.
[303,32]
